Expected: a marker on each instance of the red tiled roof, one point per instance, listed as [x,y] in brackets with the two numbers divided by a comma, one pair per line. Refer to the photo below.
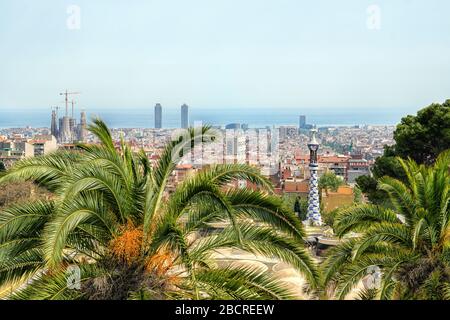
[333,159]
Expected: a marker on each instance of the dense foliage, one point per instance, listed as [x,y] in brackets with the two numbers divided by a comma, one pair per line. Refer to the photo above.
[409,239]
[369,186]
[329,181]
[111,217]
[301,208]
[421,137]
[424,136]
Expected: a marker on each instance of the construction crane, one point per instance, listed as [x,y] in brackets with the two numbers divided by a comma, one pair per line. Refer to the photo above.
[66,100]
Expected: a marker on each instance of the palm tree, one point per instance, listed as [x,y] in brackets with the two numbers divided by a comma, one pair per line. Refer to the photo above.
[409,240]
[111,216]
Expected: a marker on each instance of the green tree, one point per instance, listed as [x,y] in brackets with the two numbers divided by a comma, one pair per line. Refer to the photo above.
[2,167]
[111,215]
[301,208]
[388,165]
[297,208]
[424,136]
[369,186]
[328,217]
[329,180]
[358,195]
[421,137]
[408,240]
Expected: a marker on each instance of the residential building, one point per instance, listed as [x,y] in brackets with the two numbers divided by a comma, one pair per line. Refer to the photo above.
[44,144]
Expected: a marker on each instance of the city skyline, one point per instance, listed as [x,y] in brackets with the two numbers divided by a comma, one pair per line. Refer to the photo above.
[171,117]
[294,53]
[136,118]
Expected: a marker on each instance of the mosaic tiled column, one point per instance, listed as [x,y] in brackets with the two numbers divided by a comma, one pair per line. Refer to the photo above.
[314,216]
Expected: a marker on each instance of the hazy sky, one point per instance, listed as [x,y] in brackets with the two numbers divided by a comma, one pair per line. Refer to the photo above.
[225,53]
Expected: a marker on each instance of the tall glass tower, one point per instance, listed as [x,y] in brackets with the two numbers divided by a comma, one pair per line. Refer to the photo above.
[158,116]
[314,217]
[184,116]
[301,122]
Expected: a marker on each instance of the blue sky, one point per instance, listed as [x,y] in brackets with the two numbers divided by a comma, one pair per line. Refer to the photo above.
[226,53]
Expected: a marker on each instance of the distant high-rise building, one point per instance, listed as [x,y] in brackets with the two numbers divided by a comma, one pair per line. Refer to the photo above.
[158,116]
[184,116]
[235,146]
[302,122]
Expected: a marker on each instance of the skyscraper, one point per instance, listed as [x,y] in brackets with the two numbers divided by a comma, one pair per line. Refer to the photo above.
[184,116]
[313,215]
[158,116]
[302,122]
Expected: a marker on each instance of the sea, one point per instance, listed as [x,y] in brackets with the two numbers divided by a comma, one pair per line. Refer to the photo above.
[253,117]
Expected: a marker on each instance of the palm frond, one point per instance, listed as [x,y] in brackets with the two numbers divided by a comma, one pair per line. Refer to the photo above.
[242,284]
[383,232]
[358,218]
[268,243]
[267,209]
[173,152]
[368,294]
[101,131]
[71,215]
[48,171]
[223,174]
[400,197]
[57,285]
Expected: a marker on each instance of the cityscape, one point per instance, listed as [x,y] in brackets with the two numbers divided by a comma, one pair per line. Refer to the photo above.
[210,159]
[281,153]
